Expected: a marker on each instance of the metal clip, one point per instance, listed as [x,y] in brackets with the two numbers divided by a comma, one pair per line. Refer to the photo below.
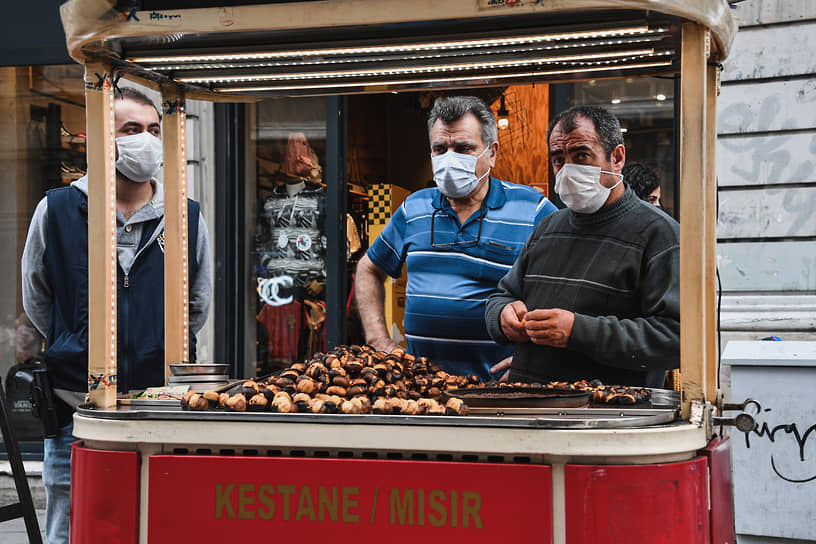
[743,422]
[175,106]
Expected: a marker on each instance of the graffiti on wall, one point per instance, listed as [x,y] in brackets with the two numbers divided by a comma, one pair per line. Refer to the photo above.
[789,459]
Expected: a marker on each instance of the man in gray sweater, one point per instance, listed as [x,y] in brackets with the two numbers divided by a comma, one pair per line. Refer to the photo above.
[595,290]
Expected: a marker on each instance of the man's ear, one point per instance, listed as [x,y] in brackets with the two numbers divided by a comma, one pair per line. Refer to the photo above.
[618,158]
[494,153]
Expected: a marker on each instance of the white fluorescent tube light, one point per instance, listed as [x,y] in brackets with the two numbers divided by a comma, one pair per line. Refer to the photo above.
[415,69]
[474,79]
[489,42]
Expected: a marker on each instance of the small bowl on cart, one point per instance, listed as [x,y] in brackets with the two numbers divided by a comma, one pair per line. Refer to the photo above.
[191,369]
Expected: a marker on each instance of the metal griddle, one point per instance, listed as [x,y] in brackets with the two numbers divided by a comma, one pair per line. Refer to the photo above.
[519,397]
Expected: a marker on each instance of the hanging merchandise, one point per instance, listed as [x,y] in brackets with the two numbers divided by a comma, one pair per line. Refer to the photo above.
[316,322]
[283,324]
[269,290]
[295,244]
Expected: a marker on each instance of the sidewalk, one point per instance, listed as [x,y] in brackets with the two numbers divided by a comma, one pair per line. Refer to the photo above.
[13,531]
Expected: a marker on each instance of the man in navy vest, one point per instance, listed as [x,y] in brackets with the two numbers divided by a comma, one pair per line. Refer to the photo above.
[55,284]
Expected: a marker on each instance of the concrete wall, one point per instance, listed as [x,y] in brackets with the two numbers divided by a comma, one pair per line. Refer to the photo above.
[766,231]
[766,170]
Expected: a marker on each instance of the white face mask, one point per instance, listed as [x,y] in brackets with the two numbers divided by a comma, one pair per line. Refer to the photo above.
[455,173]
[579,186]
[140,156]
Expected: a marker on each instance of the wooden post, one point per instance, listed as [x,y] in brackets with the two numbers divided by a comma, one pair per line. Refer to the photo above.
[692,215]
[102,265]
[710,308]
[176,278]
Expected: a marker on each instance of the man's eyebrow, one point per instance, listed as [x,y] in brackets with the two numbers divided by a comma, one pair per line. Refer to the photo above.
[575,148]
[457,143]
[131,124]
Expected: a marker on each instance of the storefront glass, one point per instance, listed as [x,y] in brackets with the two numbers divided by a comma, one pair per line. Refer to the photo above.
[288,246]
[42,147]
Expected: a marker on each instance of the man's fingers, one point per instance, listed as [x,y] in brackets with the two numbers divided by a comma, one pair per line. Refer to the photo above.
[501,365]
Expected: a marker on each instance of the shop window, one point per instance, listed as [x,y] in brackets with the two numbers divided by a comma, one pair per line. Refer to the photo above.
[288,253]
[42,137]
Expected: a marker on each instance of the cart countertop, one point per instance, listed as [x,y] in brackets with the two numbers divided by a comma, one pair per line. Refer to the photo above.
[405,434]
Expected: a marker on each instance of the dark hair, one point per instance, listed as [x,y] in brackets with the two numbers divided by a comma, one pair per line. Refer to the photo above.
[606,125]
[452,108]
[642,179]
[135,95]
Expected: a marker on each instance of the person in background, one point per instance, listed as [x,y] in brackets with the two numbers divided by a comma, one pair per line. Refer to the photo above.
[644,181]
[55,285]
[595,293]
[457,239]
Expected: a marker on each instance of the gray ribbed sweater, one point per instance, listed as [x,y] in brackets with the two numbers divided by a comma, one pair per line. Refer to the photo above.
[618,271]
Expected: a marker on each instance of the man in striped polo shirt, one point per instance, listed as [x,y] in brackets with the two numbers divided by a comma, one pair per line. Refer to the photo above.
[457,240]
[595,293]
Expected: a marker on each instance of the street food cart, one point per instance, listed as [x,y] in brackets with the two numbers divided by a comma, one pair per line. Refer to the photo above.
[158,474]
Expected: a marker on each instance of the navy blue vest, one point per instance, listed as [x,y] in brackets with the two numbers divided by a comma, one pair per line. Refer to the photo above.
[140,298]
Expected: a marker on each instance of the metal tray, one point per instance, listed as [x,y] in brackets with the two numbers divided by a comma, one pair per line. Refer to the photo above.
[135,403]
[186,369]
[535,418]
[519,397]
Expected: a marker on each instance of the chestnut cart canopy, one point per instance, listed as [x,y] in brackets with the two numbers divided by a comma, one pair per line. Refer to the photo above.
[345,47]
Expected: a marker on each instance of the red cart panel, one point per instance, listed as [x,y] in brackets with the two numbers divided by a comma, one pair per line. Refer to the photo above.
[208,498]
[659,504]
[104,495]
[718,453]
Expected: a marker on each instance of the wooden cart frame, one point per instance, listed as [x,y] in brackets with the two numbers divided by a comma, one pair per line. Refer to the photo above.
[704,30]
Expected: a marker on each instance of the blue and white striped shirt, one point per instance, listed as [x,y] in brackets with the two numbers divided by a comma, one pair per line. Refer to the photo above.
[448,286]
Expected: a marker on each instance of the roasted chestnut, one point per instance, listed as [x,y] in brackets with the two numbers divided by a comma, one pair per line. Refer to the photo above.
[342,381]
[258,403]
[305,385]
[211,397]
[237,403]
[455,407]
[380,406]
[282,404]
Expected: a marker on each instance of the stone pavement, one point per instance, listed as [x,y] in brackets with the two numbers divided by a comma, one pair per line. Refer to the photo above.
[13,531]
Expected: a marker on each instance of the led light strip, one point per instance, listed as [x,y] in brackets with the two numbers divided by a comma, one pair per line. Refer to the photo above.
[491,42]
[112,351]
[416,69]
[185,256]
[443,80]
[415,57]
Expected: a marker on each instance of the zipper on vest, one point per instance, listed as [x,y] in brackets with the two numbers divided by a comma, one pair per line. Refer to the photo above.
[127,281]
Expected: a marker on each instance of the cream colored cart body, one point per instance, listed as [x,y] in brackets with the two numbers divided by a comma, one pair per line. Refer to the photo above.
[559,477]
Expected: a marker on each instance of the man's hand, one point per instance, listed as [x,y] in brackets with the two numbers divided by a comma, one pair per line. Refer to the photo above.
[549,327]
[512,327]
[385,344]
[504,364]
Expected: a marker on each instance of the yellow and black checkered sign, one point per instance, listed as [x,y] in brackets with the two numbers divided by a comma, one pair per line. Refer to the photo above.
[383,200]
